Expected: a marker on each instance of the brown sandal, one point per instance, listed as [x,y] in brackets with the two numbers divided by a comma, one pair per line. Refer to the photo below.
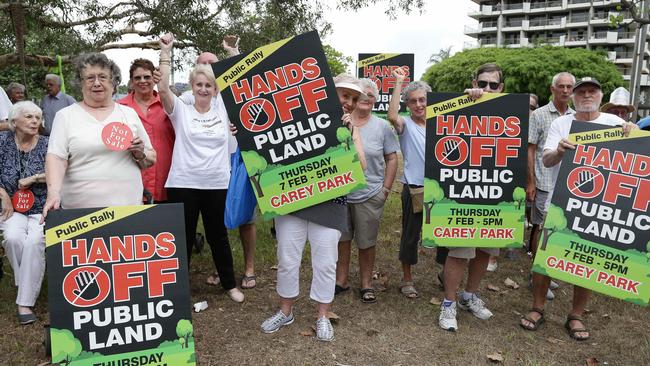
[535,323]
[213,279]
[573,331]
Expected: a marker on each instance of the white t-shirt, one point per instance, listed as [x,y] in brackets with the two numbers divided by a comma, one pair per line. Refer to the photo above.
[5,105]
[96,176]
[201,157]
[560,128]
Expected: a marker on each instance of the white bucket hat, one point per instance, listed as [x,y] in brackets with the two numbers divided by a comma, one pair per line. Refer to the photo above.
[620,97]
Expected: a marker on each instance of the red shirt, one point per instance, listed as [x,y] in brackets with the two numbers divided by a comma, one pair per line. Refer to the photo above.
[161,133]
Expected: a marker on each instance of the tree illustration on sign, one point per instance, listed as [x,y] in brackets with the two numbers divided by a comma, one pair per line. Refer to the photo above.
[344,136]
[184,331]
[65,346]
[519,196]
[555,221]
[434,193]
[255,165]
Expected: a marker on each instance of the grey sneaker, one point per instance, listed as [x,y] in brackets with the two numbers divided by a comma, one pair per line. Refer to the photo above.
[475,306]
[324,330]
[277,321]
[447,318]
[554,285]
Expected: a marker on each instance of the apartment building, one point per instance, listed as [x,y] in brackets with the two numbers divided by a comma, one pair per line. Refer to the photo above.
[567,23]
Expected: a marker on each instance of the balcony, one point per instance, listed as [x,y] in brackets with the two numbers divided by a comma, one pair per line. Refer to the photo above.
[471,31]
[545,6]
[626,37]
[577,4]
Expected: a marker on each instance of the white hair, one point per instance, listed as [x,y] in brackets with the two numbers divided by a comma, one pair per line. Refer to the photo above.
[413,86]
[20,109]
[202,70]
[54,77]
[561,74]
[366,83]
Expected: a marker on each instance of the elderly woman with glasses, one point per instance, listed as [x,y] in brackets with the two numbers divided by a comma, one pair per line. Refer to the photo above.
[23,191]
[97,147]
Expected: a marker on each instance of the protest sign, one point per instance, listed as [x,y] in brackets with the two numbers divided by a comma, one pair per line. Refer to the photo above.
[474,174]
[282,100]
[597,230]
[118,287]
[379,67]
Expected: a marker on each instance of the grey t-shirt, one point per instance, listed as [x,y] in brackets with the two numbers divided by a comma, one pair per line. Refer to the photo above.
[378,139]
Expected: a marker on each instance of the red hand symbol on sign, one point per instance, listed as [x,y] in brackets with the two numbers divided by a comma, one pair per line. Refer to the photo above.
[86,286]
[257,115]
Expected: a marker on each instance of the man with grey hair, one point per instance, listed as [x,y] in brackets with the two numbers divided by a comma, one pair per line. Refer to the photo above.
[53,101]
[539,181]
[16,92]
[587,95]
[411,131]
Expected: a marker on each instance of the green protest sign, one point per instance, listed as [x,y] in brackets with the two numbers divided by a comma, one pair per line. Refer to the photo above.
[597,230]
[474,174]
[282,99]
[379,68]
[118,289]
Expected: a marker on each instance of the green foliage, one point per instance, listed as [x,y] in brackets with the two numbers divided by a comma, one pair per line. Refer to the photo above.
[66,346]
[255,163]
[184,331]
[555,219]
[519,196]
[336,60]
[526,70]
[435,192]
[344,136]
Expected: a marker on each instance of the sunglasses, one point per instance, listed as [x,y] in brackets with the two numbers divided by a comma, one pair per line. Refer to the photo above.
[482,84]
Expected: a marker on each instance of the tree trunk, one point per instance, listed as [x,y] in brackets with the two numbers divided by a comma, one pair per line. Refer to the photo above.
[428,206]
[256,183]
[547,234]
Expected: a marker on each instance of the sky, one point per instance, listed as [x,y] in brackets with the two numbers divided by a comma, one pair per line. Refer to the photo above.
[369,31]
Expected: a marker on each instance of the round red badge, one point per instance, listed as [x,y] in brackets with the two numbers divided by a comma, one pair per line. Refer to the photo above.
[117,136]
[23,200]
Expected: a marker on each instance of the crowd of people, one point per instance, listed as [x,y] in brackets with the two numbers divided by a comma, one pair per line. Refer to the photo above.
[180,152]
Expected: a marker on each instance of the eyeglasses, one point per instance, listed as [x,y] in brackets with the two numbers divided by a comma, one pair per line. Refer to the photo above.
[414,100]
[90,79]
[482,84]
[144,77]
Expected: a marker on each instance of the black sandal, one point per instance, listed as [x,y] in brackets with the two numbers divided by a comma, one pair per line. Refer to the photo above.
[368,295]
[535,323]
[339,289]
[573,331]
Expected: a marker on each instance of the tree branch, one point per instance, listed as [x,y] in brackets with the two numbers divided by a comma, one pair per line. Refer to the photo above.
[106,16]
[32,60]
[151,45]
[634,12]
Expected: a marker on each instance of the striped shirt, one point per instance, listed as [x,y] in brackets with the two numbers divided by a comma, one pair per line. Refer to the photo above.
[540,122]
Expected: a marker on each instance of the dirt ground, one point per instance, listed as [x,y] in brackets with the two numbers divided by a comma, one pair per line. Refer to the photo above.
[393,331]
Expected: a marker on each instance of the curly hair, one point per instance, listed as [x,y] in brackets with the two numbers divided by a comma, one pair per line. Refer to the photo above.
[96,59]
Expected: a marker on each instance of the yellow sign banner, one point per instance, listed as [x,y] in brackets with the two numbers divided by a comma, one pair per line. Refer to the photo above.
[610,134]
[238,70]
[375,59]
[90,222]
[457,103]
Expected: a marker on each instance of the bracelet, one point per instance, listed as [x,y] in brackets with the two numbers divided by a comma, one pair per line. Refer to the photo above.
[142,159]
[385,189]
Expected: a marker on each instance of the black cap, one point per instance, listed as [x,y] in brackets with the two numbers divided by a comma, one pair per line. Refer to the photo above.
[587,80]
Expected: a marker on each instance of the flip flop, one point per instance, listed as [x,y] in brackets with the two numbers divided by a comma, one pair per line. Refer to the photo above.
[535,323]
[213,279]
[573,331]
[246,280]
[407,289]
[339,289]
[368,295]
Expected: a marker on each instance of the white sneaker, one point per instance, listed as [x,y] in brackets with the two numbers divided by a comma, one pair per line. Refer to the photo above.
[236,295]
[447,318]
[492,266]
[475,306]
[554,285]
[277,321]
[324,330]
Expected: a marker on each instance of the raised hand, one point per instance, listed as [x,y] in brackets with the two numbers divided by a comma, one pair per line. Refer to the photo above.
[451,152]
[87,286]
[166,42]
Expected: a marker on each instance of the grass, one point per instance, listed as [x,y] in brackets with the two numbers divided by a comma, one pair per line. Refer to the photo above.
[394,331]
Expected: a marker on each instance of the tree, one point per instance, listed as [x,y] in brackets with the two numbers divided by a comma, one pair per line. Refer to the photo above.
[65,346]
[519,196]
[344,136]
[443,54]
[336,60]
[184,332]
[434,193]
[634,7]
[555,221]
[255,166]
[526,70]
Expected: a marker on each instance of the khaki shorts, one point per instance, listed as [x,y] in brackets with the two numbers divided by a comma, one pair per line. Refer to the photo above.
[363,221]
[539,209]
[470,253]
